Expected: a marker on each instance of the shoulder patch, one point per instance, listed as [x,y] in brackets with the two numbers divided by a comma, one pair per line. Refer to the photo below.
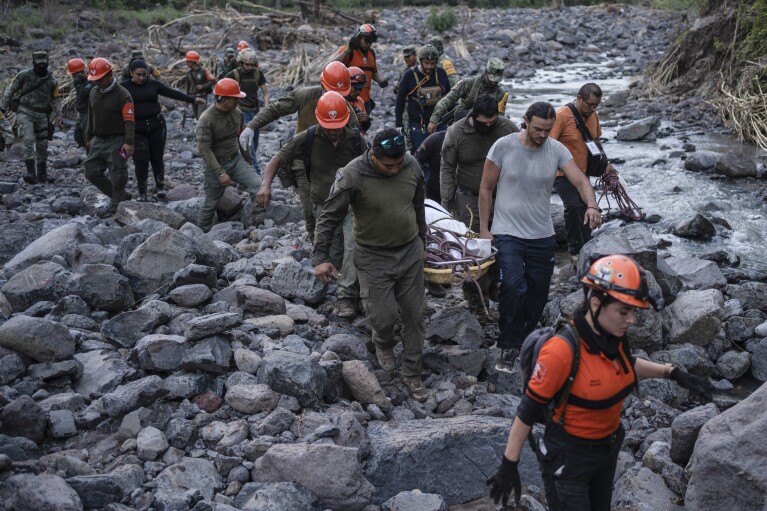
[339,175]
[448,66]
[539,372]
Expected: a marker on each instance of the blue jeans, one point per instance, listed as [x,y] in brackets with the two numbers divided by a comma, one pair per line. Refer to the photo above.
[247,116]
[526,267]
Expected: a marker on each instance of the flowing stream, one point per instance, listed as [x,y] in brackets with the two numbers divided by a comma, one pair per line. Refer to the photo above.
[653,176]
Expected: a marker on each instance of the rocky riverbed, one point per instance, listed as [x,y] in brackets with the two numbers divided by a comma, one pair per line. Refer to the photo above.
[146,365]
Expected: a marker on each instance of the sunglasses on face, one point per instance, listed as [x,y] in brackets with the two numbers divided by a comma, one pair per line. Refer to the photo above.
[391,142]
[359,79]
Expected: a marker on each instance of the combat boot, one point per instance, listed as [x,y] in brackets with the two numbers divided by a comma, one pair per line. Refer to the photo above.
[142,191]
[416,388]
[42,172]
[31,177]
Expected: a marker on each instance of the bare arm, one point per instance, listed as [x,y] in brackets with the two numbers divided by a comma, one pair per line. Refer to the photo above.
[490,175]
[264,194]
[517,436]
[581,183]
[647,369]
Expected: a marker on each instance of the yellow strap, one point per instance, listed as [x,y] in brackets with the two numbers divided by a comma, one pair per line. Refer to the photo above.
[502,103]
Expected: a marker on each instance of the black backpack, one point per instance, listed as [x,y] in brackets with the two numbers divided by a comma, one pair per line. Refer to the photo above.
[309,143]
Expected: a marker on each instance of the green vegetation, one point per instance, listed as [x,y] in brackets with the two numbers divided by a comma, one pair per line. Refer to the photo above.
[752,17]
[442,21]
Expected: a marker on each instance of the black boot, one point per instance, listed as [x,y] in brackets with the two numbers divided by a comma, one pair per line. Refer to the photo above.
[142,191]
[42,172]
[31,177]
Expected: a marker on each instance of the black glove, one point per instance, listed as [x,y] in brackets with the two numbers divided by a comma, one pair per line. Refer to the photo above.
[383,83]
[505,480]
[692,382]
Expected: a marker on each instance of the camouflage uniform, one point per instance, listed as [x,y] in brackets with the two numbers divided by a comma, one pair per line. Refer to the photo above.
[406,51]
[444,62]
[6,132]
[82,94]
[471,88]
[227,64]
[38,97]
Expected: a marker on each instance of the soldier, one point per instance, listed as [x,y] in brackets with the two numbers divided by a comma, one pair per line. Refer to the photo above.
[34,95]
[77,68]
[242,45]
[217,132]
[199,81]
[251,80]
[467,91]
[331,145]
[410,57]
[359,53]
[229,63]
[358,80]
[6,133]
[444,61]
[335,77]
[385,190]
[139,55]
[109,133]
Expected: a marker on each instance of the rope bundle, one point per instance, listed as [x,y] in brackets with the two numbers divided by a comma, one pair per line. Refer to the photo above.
[610,183]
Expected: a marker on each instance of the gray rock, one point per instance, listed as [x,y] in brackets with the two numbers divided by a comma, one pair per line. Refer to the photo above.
[640,489]
[128,397]
[456,325]
[128,327]
[692,358]
[50,371]
[415,501]
[195,274]
[61,424]
[258,302]
[186,385]
[741,329]
[129,243]
[347,347]
[696,228]
[685,429]
[159,352]
[643,129]
[281,322]
[729,454]
[696,317]
[657,456]
[18,448]
[363,384]
[191,295]
[701,161]
[456,358]
[290,279]
[152,264]
[96,491]
[408,454]
[23,417]
[102,287]
[280,497]
[350,432]
[213,355]
[150,443]
[180,433]
[761,330]
[210,325]
[675,478]
[344,488]
[759,361]
[181,191]
[296,375]
[697,273]
[188,208]
[251,399]
[752,295]
[279,420]
[247,361]
[130,212]
[44,281]
[39,339]
[43,492]
[61,241]
[88,253]
[175,482]
[16,236]
[735,164]
[243,266]
[11,367]
[103,371]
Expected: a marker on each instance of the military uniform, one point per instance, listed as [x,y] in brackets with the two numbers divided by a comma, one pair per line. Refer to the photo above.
[250,83]
[466,92]
[82,94]
[38,97]
[444,62]
[203,77]
[6,132]
[390,230]
[302,101]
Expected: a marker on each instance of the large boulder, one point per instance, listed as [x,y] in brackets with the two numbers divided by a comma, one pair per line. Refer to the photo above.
[643,129]
[39,339]
[97,490]
[102,287]
[751,295]
[250,399]
[43,492]
[685,428]
[415,501]
[128,327]
[39,282]
[152,265]
[23,417]
[735,164]
[696,317]
[701,161]
[332,473]
[363,384]
[210,325]
[727,468]
[407,455]
[128,397]
[296,375]
[16,236]
[696,228]
[697,273]
[641,489]
[103,371]
[175,481]
[213,355]
[130,212]
[291,279]
[456,326]
[278,497]
[61,241]
[159,352]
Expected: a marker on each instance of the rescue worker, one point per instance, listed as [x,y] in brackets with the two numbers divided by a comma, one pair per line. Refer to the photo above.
[333,145]
[224,162]
[359,53]
[242,45]
[444,61]
[151,132]
[139,55]
[579,450]
[410,57]
[77,69]
[420,90]
[463,159]
[109,134]
[462,96]
[6,133]
[335,77]
[229,63]
[358,79]
[36,93]
[385,190]
[250,79]
[199,81]
[567,132]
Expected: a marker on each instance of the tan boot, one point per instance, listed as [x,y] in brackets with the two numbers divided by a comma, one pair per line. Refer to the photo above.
[345,309]
[386,359]
[415,387]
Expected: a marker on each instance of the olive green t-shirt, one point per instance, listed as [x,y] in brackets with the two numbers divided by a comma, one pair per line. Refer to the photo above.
[217,137]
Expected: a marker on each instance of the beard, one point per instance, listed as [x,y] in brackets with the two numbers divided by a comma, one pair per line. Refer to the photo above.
[40,69]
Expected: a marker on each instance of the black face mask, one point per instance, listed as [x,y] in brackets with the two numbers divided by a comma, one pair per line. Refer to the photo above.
[482,128]
[41,68]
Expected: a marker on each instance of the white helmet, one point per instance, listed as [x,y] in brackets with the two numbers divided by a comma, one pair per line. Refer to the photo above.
[247,56]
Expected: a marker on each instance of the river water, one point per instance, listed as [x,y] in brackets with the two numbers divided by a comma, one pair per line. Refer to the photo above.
[653,176]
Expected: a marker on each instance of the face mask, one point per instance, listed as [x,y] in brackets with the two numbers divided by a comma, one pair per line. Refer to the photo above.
[41,69]
[482,128]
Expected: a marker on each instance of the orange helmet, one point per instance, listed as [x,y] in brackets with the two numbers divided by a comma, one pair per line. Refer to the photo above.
[358,77]
[98,69]
[75,66]
[621,278]
[335,77]
[242,45]
[192,56]
[228,87]
[367,31]
[332,111]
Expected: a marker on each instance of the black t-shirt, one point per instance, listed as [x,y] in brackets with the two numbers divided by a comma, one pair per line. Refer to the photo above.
[429,152]
[145,97]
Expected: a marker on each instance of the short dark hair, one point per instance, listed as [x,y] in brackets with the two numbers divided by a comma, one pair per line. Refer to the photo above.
[395,151]
[137,64]
[590,89]
[542,109]
[486,105]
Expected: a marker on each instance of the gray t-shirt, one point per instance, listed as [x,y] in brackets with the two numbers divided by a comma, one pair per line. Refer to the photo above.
[524,186]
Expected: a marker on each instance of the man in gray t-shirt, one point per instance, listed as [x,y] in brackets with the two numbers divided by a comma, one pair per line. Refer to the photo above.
[522,166]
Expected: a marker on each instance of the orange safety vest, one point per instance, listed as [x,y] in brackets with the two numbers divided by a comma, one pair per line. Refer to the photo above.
[366,62]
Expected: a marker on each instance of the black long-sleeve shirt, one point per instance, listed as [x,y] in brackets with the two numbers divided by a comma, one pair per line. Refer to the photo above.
[407,95]
[429,152]
[145,97]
